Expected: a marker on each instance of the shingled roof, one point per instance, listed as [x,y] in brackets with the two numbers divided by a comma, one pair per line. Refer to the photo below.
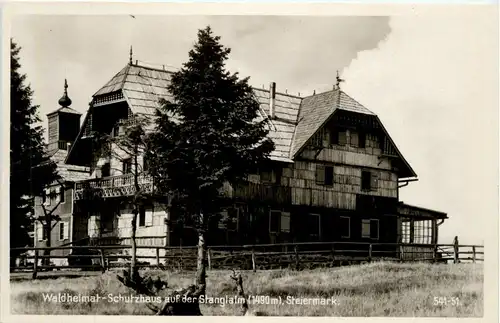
[296,119]
[316,109]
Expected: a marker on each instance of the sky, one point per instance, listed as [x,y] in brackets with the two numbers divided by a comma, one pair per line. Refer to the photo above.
[430,78]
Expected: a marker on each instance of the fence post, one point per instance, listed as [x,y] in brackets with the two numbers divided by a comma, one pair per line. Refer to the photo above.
[370,249]
[401,253]
[474,254]
[434,253]
[209,256]
[455,250]
[103,264]
[35,264]
[158,258]
[296,257]
[333,254]
[254,266]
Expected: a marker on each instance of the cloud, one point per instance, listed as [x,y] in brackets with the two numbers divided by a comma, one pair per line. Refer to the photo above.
[432,82]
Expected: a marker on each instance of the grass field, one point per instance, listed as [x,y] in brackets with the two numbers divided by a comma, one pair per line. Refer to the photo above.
[377,289]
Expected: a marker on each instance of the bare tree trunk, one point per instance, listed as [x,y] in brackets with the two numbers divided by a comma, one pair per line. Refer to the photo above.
[202,257]
[134,272]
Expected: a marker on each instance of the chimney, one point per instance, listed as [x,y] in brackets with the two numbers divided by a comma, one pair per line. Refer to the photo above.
[272,97]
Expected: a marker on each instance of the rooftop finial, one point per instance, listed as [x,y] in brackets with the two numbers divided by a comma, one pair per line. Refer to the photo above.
[130,59]
[65,101]
[338,81]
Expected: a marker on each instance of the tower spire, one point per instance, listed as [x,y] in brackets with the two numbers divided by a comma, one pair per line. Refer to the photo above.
[65,101]
[339,80]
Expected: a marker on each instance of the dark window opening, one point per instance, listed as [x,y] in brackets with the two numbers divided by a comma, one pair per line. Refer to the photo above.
[366,180]
[329,175]
[274,221]
[106,170]
[142,216]
[61,231]
[61,195]
[345,227]
[127,166]
[314,226]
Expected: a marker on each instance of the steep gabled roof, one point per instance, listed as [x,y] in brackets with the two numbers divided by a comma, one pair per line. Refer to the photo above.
[316,110]
[296,119]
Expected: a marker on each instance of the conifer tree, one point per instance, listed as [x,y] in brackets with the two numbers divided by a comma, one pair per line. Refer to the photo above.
[207,135]
[30,168]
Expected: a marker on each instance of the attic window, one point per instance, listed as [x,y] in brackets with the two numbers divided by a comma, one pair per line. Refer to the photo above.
[338,137]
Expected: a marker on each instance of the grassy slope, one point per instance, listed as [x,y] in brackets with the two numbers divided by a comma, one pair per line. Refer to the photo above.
[378,289]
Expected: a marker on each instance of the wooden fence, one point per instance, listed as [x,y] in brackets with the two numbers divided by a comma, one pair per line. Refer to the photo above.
[249,257]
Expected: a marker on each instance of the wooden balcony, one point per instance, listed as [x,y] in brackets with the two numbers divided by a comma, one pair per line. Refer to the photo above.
[113,186]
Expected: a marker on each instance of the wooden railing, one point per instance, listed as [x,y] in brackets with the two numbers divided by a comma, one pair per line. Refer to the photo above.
[254,257]
[111,186]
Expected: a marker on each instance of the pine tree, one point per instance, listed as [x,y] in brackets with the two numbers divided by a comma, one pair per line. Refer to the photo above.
[208,134]
[30,168]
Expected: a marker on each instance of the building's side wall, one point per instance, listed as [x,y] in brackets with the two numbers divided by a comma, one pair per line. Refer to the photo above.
[64,211]
[155,228]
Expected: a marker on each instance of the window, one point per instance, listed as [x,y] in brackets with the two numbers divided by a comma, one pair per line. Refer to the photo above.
[106,170]
[324,175]
[274,221]
[365,180]
[370,228]
[63,231]
[345,227]
[266,176]
[314,226]
[116,130]
[369,181]
[127,166]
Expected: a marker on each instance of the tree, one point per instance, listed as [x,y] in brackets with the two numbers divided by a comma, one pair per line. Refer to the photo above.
[129,146]
[30,168]
[209,134]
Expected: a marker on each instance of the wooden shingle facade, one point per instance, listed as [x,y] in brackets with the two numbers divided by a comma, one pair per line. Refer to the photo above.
[334,175]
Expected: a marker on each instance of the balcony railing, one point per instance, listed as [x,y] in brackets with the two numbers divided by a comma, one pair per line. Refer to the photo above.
[113,186]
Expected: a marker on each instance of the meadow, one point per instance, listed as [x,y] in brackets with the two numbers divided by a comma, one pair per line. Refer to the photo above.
[376,289]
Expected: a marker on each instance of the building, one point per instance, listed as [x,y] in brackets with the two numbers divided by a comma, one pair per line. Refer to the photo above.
[334,175]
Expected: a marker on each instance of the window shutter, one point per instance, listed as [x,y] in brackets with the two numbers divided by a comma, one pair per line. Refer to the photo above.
[58,194]
[374,230]
[285,221]
[320,174]
[39,231]
[374,181]
[342,138]
[365,228]
[66,230]
[48,196]
[149,216]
